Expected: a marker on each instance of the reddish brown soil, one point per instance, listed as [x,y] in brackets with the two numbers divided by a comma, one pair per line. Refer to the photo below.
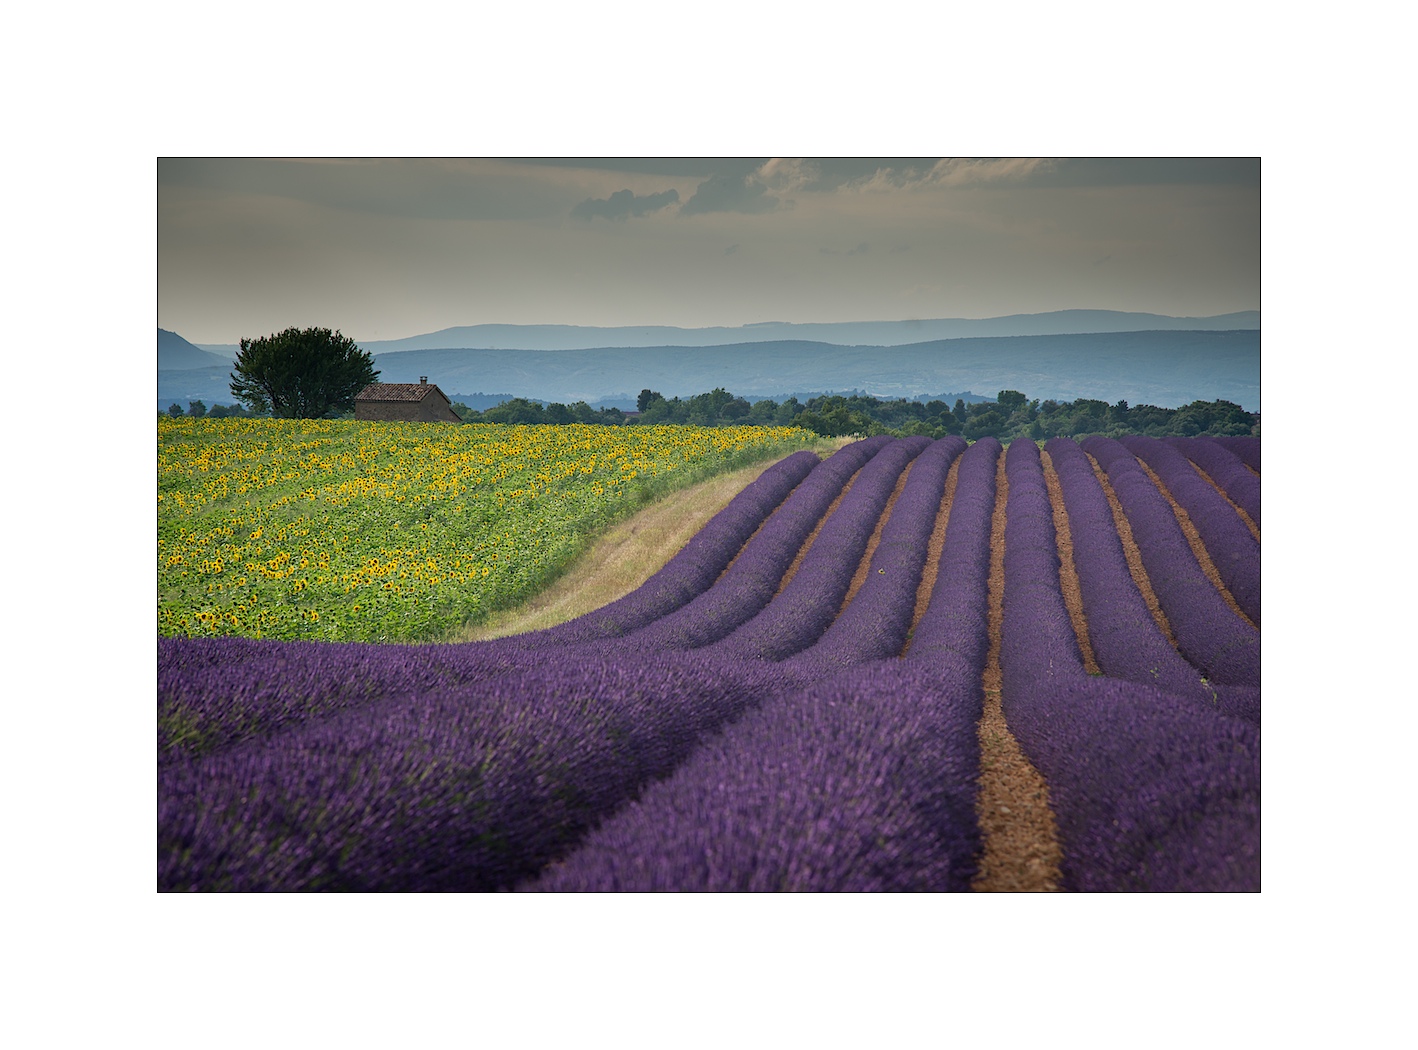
[934,548]
[1022,851]
[1194,541]
[1068,572]
[807,543]
[864,566]
[1133,555]
[1255,529]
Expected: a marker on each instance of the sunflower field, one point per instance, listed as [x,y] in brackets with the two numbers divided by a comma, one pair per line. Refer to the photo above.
[373,531]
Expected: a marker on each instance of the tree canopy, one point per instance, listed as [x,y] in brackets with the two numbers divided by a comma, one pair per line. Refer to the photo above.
[302,373]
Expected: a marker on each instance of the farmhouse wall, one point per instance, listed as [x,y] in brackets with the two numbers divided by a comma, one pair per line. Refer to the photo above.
[405,403]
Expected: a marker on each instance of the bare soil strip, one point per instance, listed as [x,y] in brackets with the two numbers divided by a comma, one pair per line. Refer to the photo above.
[1022,851]
[1255,529]
[1251,469]
[1068,572]
[812,538]
[1133,555]
[1194,540]
[864,566]
[934,548]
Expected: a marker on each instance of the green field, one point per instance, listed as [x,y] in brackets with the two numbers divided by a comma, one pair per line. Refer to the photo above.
[371,531]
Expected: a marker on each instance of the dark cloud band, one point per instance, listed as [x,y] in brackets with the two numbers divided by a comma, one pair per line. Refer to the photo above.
[623,204]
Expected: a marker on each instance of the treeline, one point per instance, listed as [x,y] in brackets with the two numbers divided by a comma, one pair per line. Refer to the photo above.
[199,410]
[1010,415]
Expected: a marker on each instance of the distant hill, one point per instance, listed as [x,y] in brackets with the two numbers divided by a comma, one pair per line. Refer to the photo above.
[845,333]
[177,354]
[1167,369]
[211,386]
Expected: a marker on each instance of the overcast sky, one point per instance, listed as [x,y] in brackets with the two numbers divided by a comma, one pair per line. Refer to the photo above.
[383,249]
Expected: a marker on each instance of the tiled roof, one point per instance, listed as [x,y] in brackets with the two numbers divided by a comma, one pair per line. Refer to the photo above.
[397,392]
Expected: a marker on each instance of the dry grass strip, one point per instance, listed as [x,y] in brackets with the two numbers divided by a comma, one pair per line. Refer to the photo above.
[621,560]
[934,548]
[1133,555]
[864,566]
[1194,541]
[1255,529]
[1068,572]
[1022,851]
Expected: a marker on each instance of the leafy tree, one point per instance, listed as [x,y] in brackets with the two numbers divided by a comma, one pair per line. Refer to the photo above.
[735,409]
[196,409]
[301,373]
[763,411]
[657,411]
[515,410]
[646,398]
[174,410]
[558,414]
[988,423]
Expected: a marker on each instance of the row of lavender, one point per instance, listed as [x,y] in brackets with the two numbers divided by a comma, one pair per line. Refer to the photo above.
[862,779]
[369,767]
[1151,789]
[771,742]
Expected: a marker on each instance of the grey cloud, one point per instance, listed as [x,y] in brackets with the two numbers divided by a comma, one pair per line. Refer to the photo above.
[676,167]
[731,249]
[418,189]
[1153,171]
[622,204]
[860,249]
[730,193]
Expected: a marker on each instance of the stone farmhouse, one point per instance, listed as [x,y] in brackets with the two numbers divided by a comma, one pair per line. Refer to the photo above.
[420,402]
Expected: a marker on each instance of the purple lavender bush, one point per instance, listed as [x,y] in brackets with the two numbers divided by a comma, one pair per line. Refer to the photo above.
[1126,640]
[1247,448]
[1038,644]
[213,692]
[1148,793]
[1150,790]
[955,625]
[469,788]
[863,782]
[808,604]
[1229,544]
[875,624]
[1225,468]
[694,568]
[1213,639]
[748,584]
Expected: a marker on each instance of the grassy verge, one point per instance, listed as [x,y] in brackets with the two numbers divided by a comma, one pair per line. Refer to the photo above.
[625,555]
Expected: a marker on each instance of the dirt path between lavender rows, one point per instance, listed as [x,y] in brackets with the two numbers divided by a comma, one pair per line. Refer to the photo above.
[1022,851]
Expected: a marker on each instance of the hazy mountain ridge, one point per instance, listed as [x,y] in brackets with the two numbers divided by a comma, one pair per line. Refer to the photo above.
[1168,368]
[176,353]
[840,333]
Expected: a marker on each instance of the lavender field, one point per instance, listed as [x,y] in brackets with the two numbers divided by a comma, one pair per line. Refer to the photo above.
[792,703]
